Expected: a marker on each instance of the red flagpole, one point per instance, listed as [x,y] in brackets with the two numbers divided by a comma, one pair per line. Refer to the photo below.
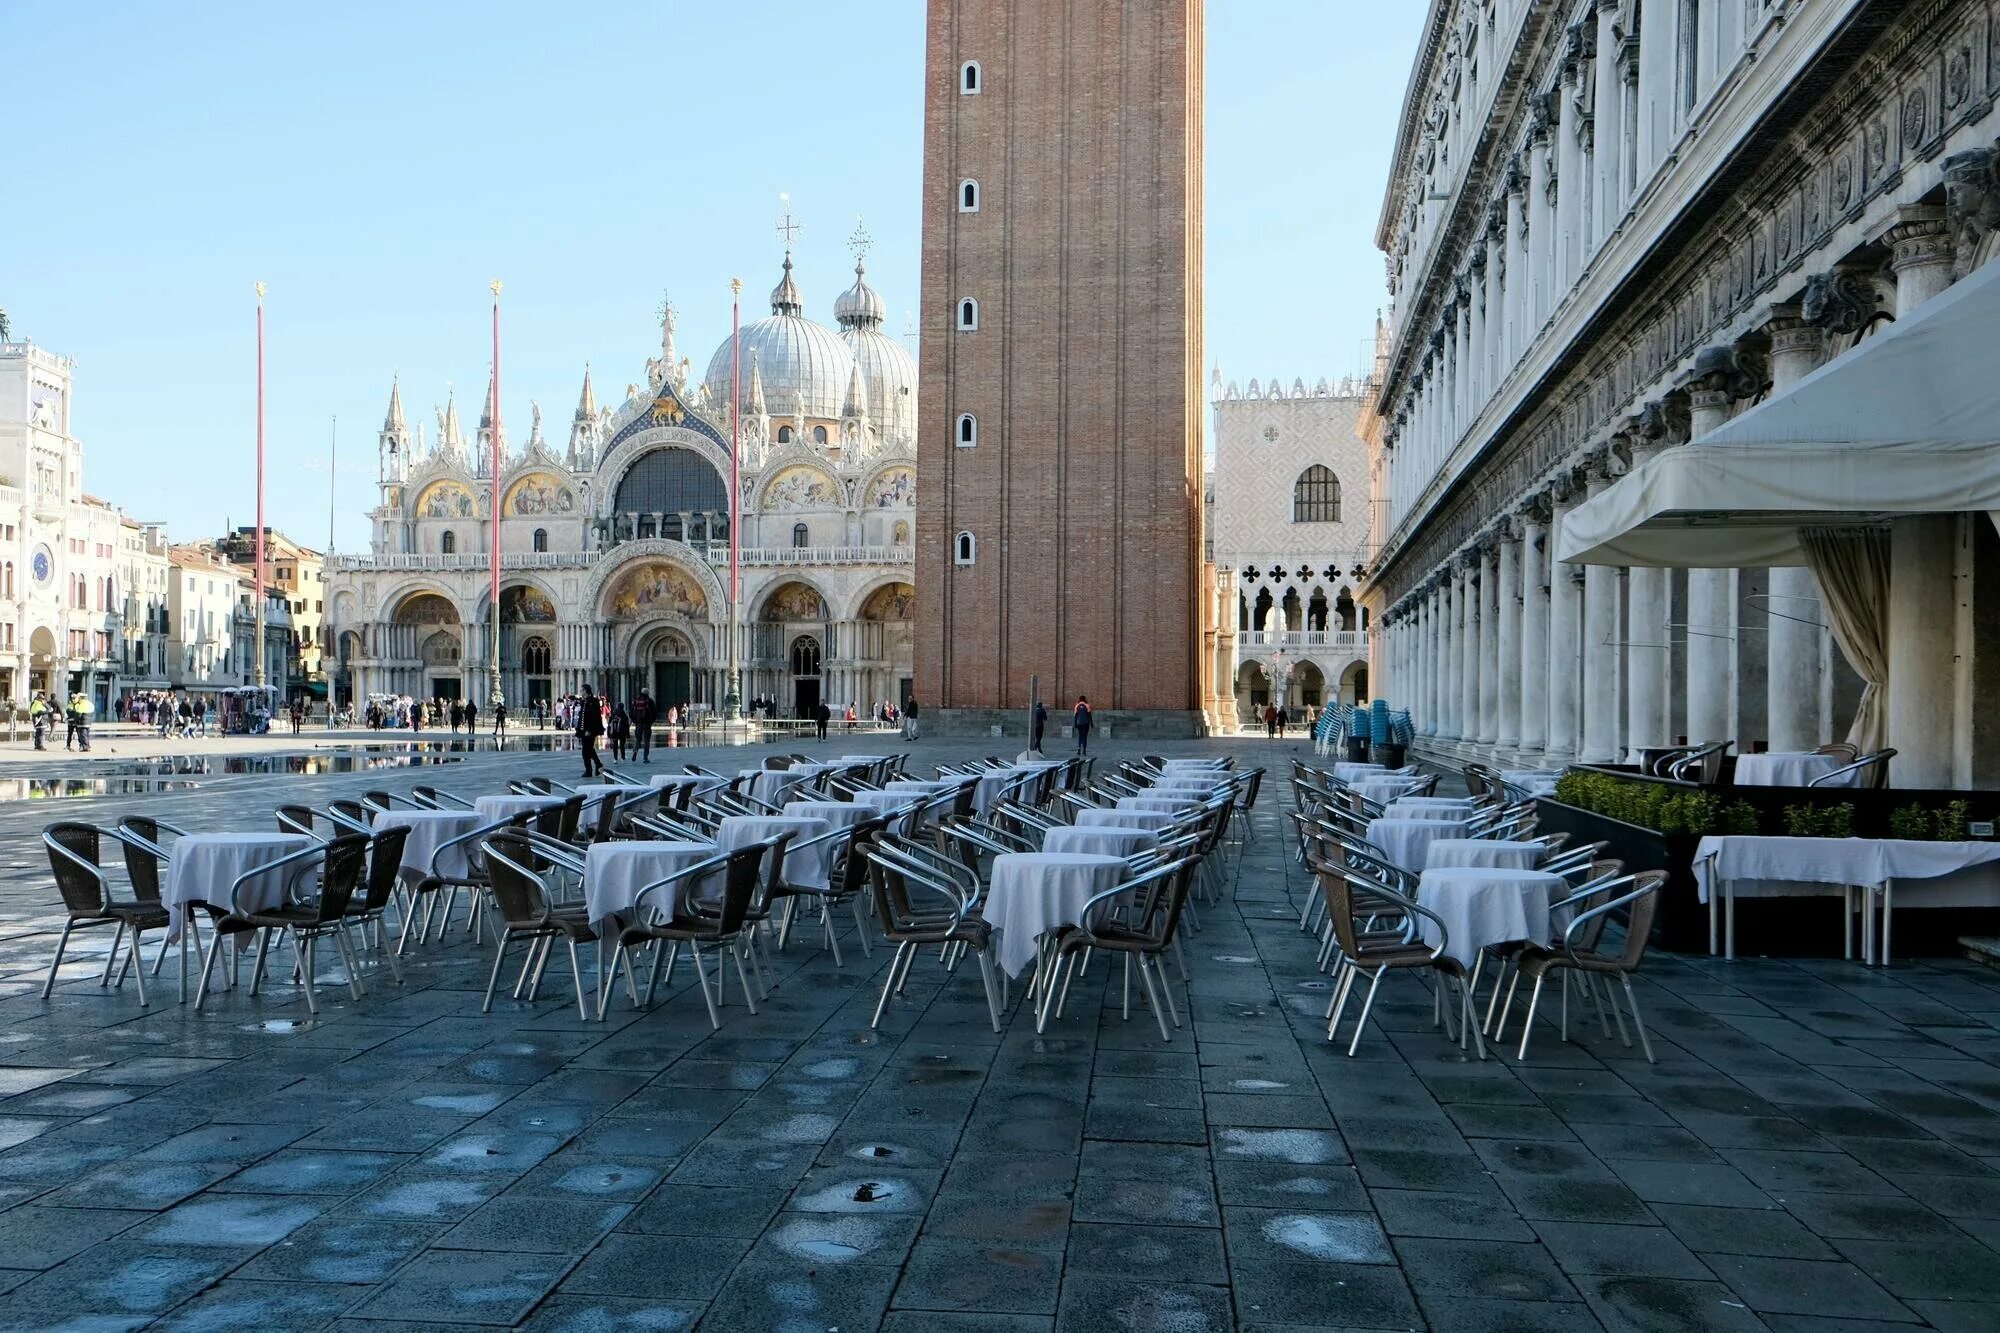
[495,525]
[733,703]
[260,486]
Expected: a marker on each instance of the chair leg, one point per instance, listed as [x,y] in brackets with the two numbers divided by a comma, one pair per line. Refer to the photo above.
[832,940]
[207,968]
[1152,995]
[1342,987]
[257,968]
[1465,995]
[1507,1007]
[1645,1042]
[736,951]
[1611,999]
[1367,1004]
[576,975]
[889,982]
[1528,1023]
[139,972]
[345,944]
[56,962]
[493,977]
[701,975]
[861,926]
[388,955]
[302,955]
[992,990]
[111,959]
[1166,989]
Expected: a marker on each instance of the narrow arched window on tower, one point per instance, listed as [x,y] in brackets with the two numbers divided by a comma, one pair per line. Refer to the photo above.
[968,315]
[448,542]
[968,430]
[968,196]
[963,549]
[968,78]
[541,539]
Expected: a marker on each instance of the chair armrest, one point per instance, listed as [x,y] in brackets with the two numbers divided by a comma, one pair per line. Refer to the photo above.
[316,852]
[1624,900]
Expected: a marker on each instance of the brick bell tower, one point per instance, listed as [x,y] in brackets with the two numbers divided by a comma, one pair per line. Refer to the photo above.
[1059,440]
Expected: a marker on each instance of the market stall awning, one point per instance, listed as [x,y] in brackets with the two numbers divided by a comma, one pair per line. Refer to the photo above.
[1908,422]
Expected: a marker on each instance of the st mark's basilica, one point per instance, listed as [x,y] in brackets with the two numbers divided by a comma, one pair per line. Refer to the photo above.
[615,547]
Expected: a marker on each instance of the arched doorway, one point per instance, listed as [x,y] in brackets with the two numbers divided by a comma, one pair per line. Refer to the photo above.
[1253,690]
[440,643]
[665,662]
[804,656]
[1354,683]
[41,658]
[1308,691]
[535,670]
[792,606]
[527,616]
[885,629]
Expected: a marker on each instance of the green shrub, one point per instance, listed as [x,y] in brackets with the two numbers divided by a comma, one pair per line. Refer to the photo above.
[1949,821]
[1820,821]
[1911,822]
[1740,818]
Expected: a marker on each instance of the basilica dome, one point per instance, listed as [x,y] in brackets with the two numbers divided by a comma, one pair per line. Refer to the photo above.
[798,362]
[887,368]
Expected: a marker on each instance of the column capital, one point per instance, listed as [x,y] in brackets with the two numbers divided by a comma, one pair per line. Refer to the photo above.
[1917,236]
[1789,330]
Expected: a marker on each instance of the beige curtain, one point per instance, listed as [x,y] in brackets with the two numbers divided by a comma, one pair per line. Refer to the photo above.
[1852,566]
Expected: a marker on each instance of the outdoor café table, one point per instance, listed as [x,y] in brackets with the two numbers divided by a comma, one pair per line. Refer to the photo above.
[1032,893]
[1482,907]
[1406,841]
[204,868]
[597,792]
[428,830]
[883,802]
[1432,807]
[1383,790]
[1126,842]
[1785,769]
[1172,805]
[1158,821]
[1487,853]
[1533,781]
[838,813]
[1195,765]
[1728,867]
[494,809]
[1359,772]
[701,782]
[1205,786]
[930,785]
[986,793]
[615,872]
[810,868]
[768,784]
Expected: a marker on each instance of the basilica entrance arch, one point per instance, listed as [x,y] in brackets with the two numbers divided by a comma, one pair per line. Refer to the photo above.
[664,660]
[431,619]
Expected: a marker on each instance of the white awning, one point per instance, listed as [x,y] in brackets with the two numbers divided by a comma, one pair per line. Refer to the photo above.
[1908,422]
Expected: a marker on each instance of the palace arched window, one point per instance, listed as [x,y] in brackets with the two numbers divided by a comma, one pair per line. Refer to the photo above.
[968,78]
[800,536]
[448,542]
[963,548]
[968,196]
[805,656]
[968,430]
[819,435]
[784,435]
[673,481]
[968,315]
[535,656]
[541,542]
[1316,496]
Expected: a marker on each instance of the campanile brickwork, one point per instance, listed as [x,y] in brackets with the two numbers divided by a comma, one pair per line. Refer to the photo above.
[1081,244]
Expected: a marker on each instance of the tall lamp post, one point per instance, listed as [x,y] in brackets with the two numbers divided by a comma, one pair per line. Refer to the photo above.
[261,701]
[498,697]
[733,702]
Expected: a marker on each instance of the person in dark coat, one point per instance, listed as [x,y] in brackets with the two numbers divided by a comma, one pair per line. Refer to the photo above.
[589,726]
[1041,725]
[644,714]
[821,716]
[1081,723]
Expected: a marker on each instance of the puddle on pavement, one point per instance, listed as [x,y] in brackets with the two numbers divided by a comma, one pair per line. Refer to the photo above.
[1233,958]
[282,1025]
[875,1150]
[1300,1147]
[1332,1239]
[1257,1084]
[822,1249]
[872,1193]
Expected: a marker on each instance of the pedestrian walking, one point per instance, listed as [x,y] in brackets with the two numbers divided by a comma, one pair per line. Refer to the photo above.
[621,731]
[471,719]
[644,714]
[910,719]
[38,720]
[589,726]
[1080,722]
[500,720]
[821,716]
[1041,722]
[1270,722]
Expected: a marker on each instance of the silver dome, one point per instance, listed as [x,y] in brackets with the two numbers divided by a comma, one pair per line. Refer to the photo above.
[860,306]
[797,360]
[890,373]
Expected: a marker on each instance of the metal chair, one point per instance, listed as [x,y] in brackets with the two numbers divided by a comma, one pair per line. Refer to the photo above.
[846,882]
[1874,769]
[528,911]
[1151,903]
[1377,955]
[1640,895]
[378,890]
[303,922]
[717,921]
[918,905]
[74,859]
[1702,765]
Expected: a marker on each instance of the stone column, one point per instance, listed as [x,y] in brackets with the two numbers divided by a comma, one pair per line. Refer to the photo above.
[1923,644]
[1433,670]
[1721,376]
[1508,641]
[1647,654]
[1519,272]
[1533,662]
[1489,641]
[1601,661]
[1565,666]
[1794,681]
[1468,649]
[1462,376]
[1567,242]
[1921,252]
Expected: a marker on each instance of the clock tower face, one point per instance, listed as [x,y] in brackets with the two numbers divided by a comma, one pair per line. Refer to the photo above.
[42,565]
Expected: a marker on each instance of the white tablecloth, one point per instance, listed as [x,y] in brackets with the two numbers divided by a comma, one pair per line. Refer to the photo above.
[1484,907]
[1533,781]
[995,781]
[702,785]
[615,872]
[1358,772]
[429,828]
[837,813]
[1802,867]
[1156,820]
[1383,790]
[1173,805]
[1199,788]
[1194,765]
[885,802]
[493,809]
[924,785]
[1785,769]
[204,867]
[810,867]
[770,784]
[1036,892]
[1406,841]
[1088,841]
[1491,853]
[1433,807]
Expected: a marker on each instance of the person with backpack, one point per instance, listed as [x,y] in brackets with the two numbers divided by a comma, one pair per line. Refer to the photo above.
[589,726]
[644,714]
[620,729]
[1081,724]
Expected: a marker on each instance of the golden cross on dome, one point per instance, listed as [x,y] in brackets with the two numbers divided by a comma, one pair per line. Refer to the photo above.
[788,226]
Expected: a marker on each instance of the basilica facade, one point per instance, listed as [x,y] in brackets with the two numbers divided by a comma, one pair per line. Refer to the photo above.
[615,548]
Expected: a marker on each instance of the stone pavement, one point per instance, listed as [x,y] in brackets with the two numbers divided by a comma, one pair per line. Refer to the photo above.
[1815,1150]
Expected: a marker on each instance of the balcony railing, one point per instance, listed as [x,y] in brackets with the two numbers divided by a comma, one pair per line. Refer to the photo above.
[716,553]
[1302,640]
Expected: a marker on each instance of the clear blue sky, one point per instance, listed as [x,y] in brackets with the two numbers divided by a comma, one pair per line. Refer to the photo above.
[377,164]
